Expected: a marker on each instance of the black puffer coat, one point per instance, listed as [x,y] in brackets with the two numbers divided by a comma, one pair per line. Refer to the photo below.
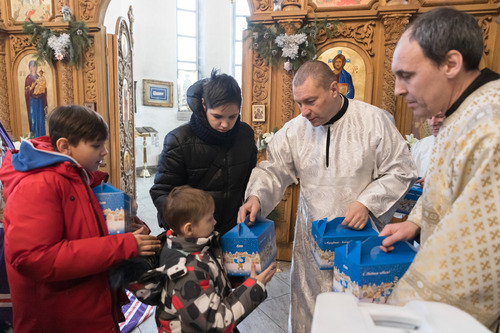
[188,153]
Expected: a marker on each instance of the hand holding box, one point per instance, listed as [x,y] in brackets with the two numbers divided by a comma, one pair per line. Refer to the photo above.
[243,245]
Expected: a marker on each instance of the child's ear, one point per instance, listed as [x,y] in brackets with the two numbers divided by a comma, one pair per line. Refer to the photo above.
[63,146]
[187,230]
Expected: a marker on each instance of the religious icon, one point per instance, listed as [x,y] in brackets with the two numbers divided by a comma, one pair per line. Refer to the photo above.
[258,113]
[35,91]
[37,10]
[344,79]
[349,68]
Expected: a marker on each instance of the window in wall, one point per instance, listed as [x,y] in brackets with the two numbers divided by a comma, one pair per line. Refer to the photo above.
[241,12]
[187,48]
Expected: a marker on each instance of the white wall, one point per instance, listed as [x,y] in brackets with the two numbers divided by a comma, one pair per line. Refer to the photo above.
[155,55]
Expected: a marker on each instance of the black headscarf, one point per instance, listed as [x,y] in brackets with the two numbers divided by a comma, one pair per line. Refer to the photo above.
[199,122]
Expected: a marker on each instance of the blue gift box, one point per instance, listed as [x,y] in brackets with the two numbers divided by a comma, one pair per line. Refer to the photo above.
[117,206]
[365,271]
[406,204]
[328,235]
[243,245]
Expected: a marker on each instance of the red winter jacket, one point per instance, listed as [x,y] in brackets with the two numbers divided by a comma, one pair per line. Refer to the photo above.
[57,247]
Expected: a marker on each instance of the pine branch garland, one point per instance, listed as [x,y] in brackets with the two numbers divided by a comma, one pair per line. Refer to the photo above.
[69,48]
[273,44]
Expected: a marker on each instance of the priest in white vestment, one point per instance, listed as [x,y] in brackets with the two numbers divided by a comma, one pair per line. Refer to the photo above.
[436,65]
[422,150]
[350,159]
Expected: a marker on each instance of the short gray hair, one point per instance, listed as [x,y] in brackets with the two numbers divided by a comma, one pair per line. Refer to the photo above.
[318,70]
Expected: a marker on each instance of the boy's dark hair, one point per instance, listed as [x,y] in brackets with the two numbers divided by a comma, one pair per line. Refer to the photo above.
[76,123]
[221,89]
[186,204]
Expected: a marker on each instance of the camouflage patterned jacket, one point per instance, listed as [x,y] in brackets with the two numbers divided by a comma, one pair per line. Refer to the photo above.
[191,290]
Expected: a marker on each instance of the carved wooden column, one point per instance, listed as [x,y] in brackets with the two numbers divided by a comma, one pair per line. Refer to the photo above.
[394,25]
[65,78]
[260,87]
[287,102]
[89,74]
[4,92]
[290,5]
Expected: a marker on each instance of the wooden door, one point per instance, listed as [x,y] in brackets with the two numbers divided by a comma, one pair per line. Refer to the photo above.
[121,108]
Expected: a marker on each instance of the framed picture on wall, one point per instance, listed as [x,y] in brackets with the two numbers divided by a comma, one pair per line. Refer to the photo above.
[259,113]
[158,93]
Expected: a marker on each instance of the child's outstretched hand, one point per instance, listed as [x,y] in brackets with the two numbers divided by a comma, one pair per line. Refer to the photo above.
[265,276]
[146,244]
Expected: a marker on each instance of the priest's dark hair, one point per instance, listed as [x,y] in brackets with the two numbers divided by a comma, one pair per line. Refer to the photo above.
[221,89]
[444,29]
[76,123]
[317,70]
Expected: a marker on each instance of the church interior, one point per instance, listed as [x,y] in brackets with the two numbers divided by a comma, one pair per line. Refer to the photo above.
[134,60]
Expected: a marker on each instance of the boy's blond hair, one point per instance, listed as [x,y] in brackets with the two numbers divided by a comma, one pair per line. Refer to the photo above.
[186,204]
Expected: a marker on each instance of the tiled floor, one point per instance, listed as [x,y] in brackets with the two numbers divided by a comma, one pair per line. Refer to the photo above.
[270,317]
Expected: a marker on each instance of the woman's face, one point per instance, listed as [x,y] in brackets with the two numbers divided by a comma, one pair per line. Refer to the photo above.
[223,117]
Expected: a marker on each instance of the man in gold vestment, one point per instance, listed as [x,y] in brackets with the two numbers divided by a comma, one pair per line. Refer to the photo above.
[436,66]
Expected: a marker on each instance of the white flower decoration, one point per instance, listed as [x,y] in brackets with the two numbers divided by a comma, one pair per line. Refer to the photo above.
[290,44]
[411,140]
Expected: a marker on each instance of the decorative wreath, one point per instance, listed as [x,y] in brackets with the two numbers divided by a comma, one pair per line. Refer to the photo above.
[67,45]
[272,43]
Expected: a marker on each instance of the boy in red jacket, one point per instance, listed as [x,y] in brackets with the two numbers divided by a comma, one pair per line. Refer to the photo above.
[57,246]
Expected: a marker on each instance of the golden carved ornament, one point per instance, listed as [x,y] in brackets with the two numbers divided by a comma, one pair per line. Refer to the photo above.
[394,26]
[4,96]
[2,43]
[484,23]
[388,97]
[67,89]
[288,5]
[287,102]
[88,9]
[262,5]
[260,78]
[89,74]
[18,44]
[362,33]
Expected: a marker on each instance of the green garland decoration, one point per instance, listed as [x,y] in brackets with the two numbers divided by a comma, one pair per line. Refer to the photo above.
[71,51]
[274,45]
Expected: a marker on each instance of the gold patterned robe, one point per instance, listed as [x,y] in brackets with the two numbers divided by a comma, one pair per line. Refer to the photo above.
[459,213]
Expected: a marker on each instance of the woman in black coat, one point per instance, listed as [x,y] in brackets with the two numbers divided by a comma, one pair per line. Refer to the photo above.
[214,152]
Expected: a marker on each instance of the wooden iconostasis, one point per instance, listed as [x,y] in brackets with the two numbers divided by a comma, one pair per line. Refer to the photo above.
[102,80]
[366,36]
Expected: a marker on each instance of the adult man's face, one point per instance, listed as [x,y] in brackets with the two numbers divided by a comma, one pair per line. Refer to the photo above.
[435,123]
[423,84]
[317,104]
